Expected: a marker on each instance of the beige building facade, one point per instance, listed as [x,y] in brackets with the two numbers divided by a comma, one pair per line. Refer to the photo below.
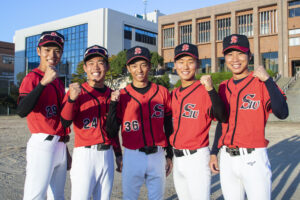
[272,26]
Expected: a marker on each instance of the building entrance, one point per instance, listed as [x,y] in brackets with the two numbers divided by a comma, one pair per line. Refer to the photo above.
[295,67]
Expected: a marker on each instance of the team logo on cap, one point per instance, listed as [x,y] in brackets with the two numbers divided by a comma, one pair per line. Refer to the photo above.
[137,50]
[185,47]
[234,39]
[53,34]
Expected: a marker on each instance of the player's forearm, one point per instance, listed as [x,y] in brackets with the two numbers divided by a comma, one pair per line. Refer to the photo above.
[27,103]
[218,107]
[169,152]
[278,103]
[168,126]
[112,124]
[218,133]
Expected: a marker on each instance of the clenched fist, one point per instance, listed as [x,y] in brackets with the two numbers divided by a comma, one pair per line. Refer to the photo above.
[207,82]
[115,95]
[50,75]
[74,91]
[261,73]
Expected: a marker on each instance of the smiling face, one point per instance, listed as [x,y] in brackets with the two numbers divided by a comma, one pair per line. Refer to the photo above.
[237,62]
[96,68]
[186,68]
[139,71]
[49,56]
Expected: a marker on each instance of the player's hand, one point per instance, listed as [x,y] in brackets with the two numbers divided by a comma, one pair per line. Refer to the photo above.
[74,91]
[207,82]
[213,164]
[119,162]
[169,166]
[50,75]
[261,73]
[115,95]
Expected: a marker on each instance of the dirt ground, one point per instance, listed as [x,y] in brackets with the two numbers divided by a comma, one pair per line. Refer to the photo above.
[283,150]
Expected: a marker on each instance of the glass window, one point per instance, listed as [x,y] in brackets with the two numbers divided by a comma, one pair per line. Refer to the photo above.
[270,61]
[268,22]
[294,3]
[127,32]
[185,34]
[205,65]
[245,25]
[294,41]
[294,12]
[168,37]
[203,32]
[223,28]
[145,36]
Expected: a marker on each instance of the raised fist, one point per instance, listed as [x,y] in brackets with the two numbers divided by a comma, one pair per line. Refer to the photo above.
[261,73]
[207,82]
[115,95]
[74,91]
[50,75]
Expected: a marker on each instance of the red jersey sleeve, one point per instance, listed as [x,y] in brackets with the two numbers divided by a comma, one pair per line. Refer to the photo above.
[69,110]
[27,86]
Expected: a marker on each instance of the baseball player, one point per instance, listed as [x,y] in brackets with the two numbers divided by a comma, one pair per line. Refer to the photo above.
[92,171]
[249,98]
[194,105]
[40,100]
[143,111]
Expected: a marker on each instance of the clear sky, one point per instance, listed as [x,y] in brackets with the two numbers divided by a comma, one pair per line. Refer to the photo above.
[19,14]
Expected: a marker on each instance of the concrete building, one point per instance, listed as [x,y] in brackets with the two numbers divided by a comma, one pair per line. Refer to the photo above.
[109,28]
[272,26]
[7,52]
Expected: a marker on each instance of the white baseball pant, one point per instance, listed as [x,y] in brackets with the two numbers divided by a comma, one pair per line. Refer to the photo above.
[247,172]
[139,168]
[192,176]
[46,164]
[92,173]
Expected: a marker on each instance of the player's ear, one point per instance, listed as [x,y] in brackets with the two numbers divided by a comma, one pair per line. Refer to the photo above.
[84,67]
[128,68]
[38,50]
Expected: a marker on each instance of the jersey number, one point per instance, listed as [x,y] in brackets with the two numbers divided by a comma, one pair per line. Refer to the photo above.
[51,111]
[87,123]
[134,125]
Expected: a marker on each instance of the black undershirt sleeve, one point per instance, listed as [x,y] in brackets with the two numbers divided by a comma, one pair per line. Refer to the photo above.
[278,103]
[66,123]
[218,107]
[112,124]
[218,133]
[168,126]
[27,103]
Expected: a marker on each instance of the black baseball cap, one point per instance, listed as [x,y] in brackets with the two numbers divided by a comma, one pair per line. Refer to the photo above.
[186,49]
[138,52]
[95,50]
[236,42]
[52,37]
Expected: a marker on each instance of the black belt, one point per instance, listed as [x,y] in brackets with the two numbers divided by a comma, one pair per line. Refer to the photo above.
[179,152]
[236,151]
[63,139]
[100,147]
[148,150]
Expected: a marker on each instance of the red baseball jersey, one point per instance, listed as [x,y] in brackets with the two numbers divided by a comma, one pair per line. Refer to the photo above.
[248,105]
[45,116]
[142,116]
[191,112]
[89,114]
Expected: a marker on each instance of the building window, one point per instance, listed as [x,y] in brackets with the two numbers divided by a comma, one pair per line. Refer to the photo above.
[203,32]
[145,36]
[168,37]
[205,65]
[186,34]
[221,65]
[127,32]
[245,25]
[8,60]
[270,61]
[294,31]
[75,44]
[294,41]
[268,22]
[294,8]
[223,28]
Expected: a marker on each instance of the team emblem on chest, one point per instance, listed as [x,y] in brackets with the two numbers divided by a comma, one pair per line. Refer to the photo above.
[158,111]
[248,103]
[188,111]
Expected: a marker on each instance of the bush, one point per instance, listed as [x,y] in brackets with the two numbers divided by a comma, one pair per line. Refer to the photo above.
[161,80]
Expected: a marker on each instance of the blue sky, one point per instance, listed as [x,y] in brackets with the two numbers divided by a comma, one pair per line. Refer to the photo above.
[19,14]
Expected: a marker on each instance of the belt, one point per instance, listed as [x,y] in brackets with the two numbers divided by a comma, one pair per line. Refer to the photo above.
[180,152]
[63,139]
[100,147]
[236,151]
[149,150]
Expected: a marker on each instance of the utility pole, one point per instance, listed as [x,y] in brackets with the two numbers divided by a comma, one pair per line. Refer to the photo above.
[145,9]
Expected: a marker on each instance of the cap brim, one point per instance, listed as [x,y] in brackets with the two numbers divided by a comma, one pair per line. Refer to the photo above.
[135,57]
[51,42]
[93,55]
[235,47]
[185,53]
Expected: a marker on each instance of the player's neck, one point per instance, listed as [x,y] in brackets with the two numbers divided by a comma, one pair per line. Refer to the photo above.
[95,84]
[185,83]
[138,84]
[241,75]
[42,67]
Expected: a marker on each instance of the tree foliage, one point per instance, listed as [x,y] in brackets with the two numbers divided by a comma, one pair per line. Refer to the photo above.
[79,76]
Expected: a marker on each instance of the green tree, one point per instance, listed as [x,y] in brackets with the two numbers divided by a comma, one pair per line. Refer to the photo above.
[79,76]
[20,77]
[118,63]
[156,60]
